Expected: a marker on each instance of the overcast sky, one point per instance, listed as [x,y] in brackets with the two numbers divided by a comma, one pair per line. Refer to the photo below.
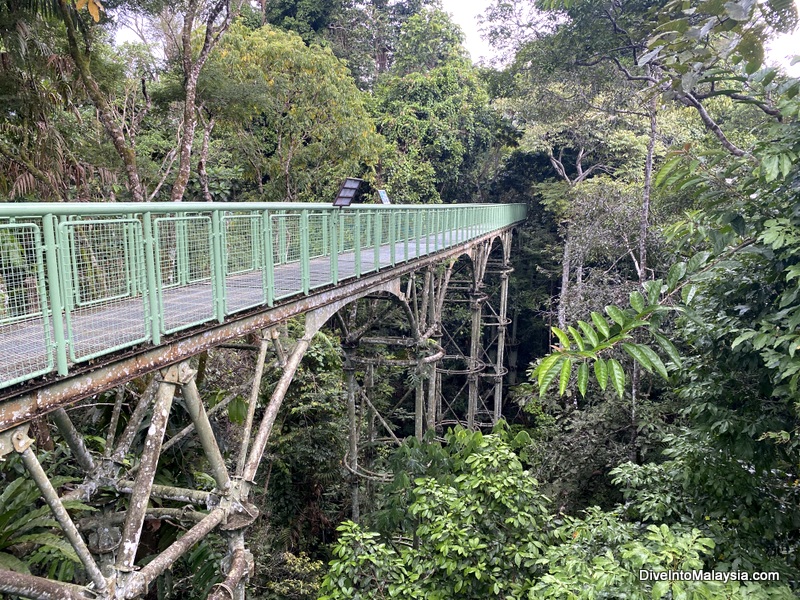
[465,13]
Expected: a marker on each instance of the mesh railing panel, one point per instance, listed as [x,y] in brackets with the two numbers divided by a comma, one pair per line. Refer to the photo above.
[319,269]
[286,246]
[244,262]
[26,349]
[103,285]
[185,261]
[347,245]
[206,261]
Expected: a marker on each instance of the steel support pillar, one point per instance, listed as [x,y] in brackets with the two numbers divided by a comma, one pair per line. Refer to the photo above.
[354,431]
[207,438]
[501,343]
[476,310]
[143,484]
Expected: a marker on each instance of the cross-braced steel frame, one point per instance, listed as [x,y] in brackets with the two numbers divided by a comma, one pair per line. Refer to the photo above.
[108,544]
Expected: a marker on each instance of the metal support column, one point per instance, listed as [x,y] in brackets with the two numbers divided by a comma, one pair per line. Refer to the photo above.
[147,469]
[197,412]
[354,433]
[476,308]
[501,343]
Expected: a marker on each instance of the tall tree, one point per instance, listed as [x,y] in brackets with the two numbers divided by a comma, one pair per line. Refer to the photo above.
[217,20]
[434,109]
[292,113]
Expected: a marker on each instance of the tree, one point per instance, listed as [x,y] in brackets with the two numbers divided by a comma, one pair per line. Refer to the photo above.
[292,112]
[481,529]
[434,109]
[729,302]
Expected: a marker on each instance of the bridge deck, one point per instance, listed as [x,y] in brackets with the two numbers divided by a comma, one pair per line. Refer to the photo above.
[125,275]
[21,343]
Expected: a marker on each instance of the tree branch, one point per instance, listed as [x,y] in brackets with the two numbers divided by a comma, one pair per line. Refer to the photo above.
[689,100]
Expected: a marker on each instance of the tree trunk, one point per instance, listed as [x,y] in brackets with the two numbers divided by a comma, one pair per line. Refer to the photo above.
[565,272]
[201,164]
[644,222]
[104,109]
[191,73]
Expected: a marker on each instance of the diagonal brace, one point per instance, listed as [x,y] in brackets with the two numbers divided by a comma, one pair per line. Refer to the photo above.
[147,469]
[22,444]
[197,413]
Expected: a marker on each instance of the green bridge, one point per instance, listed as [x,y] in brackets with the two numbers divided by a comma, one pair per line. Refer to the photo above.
[95,295]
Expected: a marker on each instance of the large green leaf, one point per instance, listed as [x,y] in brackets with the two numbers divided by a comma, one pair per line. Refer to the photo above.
[12,563]
[589,332]
[654,359]
[601,373]
[636,353]
[566,369]
[583,378]
[617,376]
[600,323]
[669,348]
[562,337]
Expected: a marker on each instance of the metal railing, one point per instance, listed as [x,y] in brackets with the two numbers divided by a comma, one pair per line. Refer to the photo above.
[118,275]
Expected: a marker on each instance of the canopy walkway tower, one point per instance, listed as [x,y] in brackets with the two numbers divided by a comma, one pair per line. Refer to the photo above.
[96,296]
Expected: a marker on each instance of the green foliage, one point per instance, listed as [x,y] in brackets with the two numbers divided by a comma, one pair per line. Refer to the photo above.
[287,577]
[428,40]
[306,489]
[483,530]
[291,113]
[30,537]
[433,109]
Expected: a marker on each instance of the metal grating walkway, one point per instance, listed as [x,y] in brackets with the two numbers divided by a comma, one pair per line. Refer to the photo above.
[124,275]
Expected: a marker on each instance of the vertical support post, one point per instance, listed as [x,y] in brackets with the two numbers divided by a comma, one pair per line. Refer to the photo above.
[392,237]
[197,413]
[140,497]
[240,563]
[474,355]
[153,281]
[357,243]
[269,259]
[352,455]
[22,444]
[334,246]
[218,262]
[501,343]
[305,266]
[54,287]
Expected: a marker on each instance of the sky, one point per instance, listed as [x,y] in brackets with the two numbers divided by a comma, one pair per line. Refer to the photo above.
[465,13]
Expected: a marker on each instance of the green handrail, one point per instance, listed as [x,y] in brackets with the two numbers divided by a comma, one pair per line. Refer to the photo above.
[111,276]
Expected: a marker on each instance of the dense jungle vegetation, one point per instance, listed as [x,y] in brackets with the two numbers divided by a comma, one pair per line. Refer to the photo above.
[652,422]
